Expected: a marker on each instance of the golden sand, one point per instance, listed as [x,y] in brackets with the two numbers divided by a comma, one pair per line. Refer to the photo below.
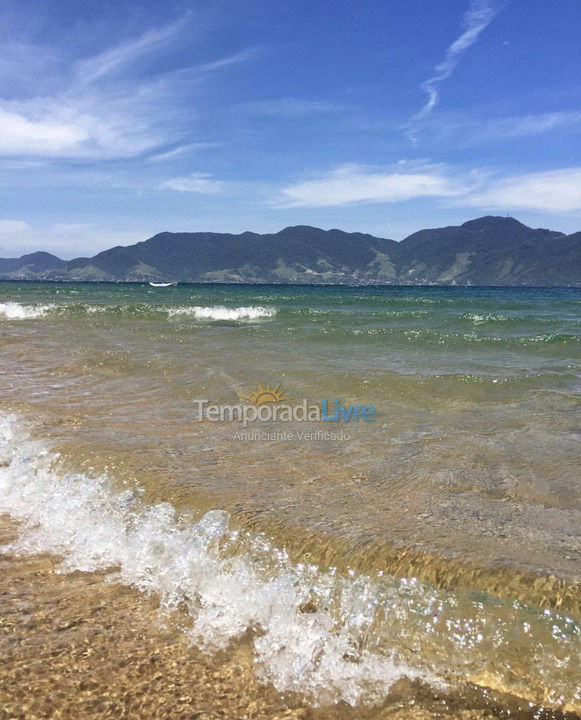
[78,646]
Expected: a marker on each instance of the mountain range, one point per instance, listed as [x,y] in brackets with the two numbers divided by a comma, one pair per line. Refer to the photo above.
[486,251]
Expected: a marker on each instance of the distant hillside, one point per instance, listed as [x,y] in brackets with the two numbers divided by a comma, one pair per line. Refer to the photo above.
[34,264]
[486,251]
[491,251]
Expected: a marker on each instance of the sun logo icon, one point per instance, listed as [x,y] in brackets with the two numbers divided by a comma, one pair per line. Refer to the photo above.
[265,394]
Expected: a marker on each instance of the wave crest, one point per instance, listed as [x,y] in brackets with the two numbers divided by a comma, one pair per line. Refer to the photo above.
[17,311]
[219,312]
[329,636]
[198,565]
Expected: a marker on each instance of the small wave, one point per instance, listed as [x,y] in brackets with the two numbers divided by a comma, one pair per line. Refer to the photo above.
[17,311]
[218,312]
[429,335]
[327,635]
[478,319]
[563,338]
[196,565]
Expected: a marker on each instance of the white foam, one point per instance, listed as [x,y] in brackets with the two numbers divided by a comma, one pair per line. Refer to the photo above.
[478,319]
[17,311]
[359,635]
[200,565]
[218,312]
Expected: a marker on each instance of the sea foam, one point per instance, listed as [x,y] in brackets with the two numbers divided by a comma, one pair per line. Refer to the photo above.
[197,565]
[327,635]
[17,311]
[218,312]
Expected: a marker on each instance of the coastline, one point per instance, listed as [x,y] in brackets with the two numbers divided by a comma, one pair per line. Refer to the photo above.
[428,566]
[76,645]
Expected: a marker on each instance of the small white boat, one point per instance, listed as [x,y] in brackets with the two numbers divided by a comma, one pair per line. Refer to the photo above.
[162,284]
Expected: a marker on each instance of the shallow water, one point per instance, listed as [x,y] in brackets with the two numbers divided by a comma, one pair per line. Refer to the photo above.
[440,541]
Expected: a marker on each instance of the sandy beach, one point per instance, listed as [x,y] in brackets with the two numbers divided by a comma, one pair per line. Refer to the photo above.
[75,646]
[157,566]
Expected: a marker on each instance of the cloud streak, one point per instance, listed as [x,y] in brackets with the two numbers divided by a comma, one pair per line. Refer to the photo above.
[468,132]
[196,183]
[117,58]
[107,106]
[355,184]
[551,191]
[521,126]
[476,19]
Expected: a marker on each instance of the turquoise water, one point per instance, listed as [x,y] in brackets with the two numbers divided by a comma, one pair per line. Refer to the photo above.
[465,487]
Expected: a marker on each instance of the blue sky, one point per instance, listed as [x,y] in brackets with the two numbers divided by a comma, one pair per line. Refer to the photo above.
[121,119]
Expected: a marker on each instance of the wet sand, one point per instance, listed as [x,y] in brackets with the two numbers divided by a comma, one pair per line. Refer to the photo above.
[468,485]
[78,646]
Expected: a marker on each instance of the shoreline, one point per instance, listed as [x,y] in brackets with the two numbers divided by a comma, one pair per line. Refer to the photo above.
[480,556]
[430,566]
[77,645]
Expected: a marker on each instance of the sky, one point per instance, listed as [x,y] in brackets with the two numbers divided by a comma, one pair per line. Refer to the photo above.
[121,119]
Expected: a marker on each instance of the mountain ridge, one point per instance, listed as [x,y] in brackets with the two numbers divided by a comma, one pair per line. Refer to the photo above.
[490,250]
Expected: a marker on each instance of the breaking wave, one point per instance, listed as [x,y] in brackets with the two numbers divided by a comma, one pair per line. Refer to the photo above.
[218,312]
[198,564]
[328,635]
[17,311]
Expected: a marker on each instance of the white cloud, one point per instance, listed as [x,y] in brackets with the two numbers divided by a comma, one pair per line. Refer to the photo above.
[551,191]
[116,58]
[233,59]
[526,125]
[103,108]
[89,126]
[196,183]
[467,131]
[21,136]
[181,150]
[351,184]
[476,19]
[13,227]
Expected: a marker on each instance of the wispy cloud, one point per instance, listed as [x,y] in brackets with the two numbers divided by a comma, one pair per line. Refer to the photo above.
[181,150]
[119,57]
[524,125]
[476,19]
[467,131]
[11,227]
[22,136]
[234,59]
[194,183]
[550,191]
[105,106]
[355,184]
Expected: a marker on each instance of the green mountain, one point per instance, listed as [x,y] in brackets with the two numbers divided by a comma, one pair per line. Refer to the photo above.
[292,255]
[34,264]
[486,251]
[491,251]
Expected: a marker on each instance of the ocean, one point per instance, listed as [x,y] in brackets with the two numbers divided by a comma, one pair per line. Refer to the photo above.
[424,528]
